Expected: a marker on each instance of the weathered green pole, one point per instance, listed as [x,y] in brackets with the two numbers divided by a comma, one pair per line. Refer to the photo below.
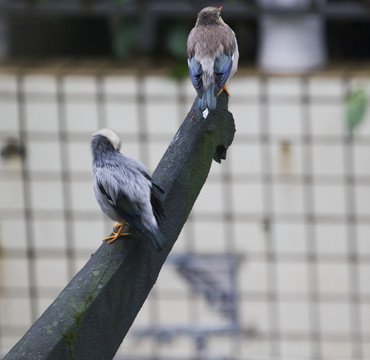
[92,315]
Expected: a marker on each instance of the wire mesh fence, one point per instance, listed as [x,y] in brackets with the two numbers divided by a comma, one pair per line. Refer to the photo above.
[289,207]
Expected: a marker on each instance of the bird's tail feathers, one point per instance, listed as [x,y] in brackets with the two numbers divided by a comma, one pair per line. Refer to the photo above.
[157,239]
[209,99]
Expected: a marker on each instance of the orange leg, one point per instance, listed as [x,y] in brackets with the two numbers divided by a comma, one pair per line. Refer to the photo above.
[117,234]
[224,88]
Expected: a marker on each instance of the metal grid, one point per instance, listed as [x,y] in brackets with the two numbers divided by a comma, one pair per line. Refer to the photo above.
[239,9]
[291,200]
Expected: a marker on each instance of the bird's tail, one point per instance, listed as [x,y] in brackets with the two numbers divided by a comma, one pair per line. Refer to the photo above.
[209,99]
[157,239]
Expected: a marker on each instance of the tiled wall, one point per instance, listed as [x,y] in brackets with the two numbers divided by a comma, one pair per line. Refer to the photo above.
[292,200]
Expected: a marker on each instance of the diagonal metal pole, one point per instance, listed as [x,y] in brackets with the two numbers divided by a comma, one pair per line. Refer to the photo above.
[91,316]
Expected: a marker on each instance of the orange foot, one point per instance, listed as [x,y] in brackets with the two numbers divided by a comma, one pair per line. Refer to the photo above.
[224,88]
[117,234]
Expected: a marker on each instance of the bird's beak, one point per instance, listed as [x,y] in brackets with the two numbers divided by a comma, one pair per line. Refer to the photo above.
[220,7]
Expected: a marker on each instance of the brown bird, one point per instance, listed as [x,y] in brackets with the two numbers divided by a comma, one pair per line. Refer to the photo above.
[212,56]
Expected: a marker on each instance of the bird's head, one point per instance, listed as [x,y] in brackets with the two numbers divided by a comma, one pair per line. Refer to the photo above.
[106,138]
[210,16]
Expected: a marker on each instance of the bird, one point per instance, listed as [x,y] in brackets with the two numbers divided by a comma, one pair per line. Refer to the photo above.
[125,191]
[212,56]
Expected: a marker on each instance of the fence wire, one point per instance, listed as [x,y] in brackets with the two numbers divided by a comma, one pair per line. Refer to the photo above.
[290,204]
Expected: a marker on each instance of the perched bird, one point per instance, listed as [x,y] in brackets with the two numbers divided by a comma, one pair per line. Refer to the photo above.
[124,190]
[212,56]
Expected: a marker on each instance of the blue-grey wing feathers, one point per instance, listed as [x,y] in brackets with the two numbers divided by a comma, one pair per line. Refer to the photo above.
[155,198]
[212,56]
[157,240]
[209,99]
[222,69]
[124,190]
[196,72]
[125,208]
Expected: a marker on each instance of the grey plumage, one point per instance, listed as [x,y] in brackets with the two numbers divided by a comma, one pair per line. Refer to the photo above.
[212,56]
[123,188]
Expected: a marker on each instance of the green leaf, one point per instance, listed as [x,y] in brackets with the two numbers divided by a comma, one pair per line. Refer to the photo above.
[125,40]
[176,42]
[180,70]
[356,108]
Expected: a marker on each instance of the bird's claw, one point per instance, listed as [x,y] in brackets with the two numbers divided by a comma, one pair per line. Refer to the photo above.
[116,226]
[224,88]
[116,235]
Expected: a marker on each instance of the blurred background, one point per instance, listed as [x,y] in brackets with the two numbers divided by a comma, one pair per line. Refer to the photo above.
[274,261]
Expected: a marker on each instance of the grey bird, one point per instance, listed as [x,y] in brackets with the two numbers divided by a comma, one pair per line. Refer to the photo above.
[212,56]
[124,190]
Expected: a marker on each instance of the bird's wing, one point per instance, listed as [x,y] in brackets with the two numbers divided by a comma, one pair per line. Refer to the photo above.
[195,71]
[156,203]
[155,198]
[126,209]
[154,183]
[222,69]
